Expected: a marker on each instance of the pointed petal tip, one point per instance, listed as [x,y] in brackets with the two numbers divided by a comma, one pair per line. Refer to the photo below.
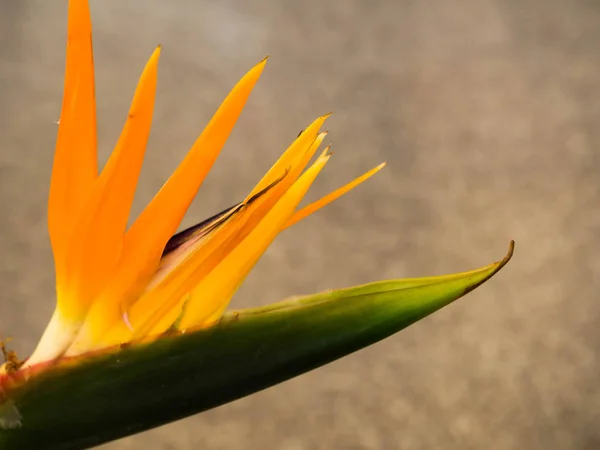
[315,206]
[152,63]
[260,66]
[257,69]
[326,152]
[326,156]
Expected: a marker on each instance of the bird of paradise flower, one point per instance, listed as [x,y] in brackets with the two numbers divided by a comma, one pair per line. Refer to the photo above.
[117,285]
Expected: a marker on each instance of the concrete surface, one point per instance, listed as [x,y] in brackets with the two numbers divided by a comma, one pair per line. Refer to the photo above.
[488,113]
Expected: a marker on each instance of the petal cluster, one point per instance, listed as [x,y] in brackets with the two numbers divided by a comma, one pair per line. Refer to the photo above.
[115,284]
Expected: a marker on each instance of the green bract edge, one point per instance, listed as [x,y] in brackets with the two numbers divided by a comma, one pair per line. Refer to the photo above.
[99,397]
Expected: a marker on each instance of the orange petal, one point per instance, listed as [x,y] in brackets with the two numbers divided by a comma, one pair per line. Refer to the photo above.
[109,310]
[145,240]
[75,161]
[222,232]
[315,206]
[188,237]
[98,236]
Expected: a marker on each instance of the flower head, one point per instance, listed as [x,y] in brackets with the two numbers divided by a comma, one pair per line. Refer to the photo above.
[116,284]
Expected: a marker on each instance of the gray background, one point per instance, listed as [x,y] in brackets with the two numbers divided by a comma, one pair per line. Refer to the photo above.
[488,113]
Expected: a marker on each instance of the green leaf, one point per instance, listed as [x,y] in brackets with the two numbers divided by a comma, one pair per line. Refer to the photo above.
[119,392]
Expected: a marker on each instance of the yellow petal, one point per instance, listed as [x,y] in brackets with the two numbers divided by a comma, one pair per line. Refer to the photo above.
[185,240]
[211,296]
[209,299]
[300,151]
[159,308]
[315,206]
[212,250]
[75,160]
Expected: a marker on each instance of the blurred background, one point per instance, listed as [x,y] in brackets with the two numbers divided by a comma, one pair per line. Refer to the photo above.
[488,113]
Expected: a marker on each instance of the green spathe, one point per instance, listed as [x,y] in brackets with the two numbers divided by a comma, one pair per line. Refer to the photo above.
[118,392]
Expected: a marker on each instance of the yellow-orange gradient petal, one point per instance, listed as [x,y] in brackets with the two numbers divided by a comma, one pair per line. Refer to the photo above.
[222,282]
[211,295]
[163,293]
[190,263]
[75,160]
[212,249]
[185,241]
[97,238]
[145,240]
[108,315]
[221,234]
[296,157]
[324,201]
[199,260]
